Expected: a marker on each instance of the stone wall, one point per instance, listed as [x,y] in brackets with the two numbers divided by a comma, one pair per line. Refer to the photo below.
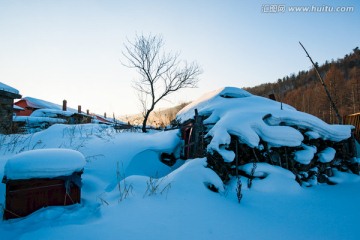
[6,111]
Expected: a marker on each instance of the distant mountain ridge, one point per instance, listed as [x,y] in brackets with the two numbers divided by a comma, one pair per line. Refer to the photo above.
[305,92]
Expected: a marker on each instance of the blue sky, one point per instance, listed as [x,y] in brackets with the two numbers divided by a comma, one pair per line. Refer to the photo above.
[55,50]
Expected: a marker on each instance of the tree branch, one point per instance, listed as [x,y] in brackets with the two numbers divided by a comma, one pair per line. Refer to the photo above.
[161,73]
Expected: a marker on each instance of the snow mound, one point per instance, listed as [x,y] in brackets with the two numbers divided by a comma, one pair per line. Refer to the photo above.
[193,175]
[327,155]
[44,163]
[233,111]
[276,179]
[306,155]
[209,98]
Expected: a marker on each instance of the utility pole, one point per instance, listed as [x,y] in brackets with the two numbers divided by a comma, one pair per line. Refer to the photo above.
[324,85]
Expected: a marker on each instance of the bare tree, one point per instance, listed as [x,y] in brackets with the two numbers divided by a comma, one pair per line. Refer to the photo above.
[160,73]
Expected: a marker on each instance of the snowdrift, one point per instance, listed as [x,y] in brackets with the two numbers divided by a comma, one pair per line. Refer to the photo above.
[175,202]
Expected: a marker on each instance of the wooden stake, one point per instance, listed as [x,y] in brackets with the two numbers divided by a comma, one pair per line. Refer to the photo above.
[324,85]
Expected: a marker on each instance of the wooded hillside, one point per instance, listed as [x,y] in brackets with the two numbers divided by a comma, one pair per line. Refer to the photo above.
[305,92]
[158,118]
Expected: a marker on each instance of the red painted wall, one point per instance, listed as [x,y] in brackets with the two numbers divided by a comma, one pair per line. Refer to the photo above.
[27,110]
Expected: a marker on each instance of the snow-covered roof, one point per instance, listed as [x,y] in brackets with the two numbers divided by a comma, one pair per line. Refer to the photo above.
[7,88]
[98,118]
[234,111]
[16,107]
[44,163]
[38,103]
[101,119]
[45,112]
[38,120]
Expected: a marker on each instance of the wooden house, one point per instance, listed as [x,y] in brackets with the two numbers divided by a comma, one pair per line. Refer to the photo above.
[7,96]
[17,109]
[102,119]
[30,104]
[39,114]
[354,119]
[52,179]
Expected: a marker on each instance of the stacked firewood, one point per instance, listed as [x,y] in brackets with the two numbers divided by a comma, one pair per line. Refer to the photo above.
[306,174]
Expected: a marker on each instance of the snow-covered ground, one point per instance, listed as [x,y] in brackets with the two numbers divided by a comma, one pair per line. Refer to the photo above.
[128,193]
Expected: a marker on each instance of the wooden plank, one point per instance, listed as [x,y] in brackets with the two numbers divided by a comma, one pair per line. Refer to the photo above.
[354,119]
[23,197]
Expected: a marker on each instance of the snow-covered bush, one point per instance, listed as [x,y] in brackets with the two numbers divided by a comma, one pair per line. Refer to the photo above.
[265,130]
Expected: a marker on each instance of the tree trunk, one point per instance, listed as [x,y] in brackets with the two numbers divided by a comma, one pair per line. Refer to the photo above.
[147,114]
[145,121]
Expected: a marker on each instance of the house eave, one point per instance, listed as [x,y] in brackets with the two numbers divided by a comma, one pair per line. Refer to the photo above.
[11,95]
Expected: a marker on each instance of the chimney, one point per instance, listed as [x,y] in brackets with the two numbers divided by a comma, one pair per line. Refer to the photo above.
[64,105]
[87,112]
[79,108]
[104,115]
